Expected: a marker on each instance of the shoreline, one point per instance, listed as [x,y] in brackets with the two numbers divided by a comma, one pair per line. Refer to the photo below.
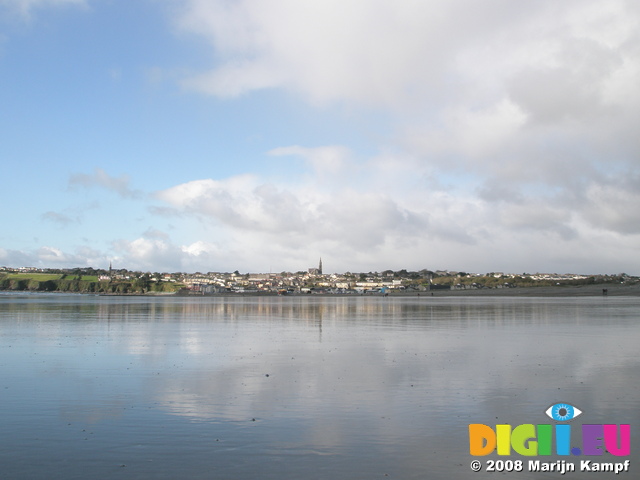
[557,291]
[596,290]
[616,290]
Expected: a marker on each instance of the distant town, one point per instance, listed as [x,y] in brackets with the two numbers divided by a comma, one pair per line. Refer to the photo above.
[309,281]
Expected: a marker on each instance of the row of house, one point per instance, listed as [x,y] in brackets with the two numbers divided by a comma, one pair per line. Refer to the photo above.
[288,283]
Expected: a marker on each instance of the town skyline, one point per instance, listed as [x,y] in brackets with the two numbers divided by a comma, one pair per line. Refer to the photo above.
[313,281]
[314,271]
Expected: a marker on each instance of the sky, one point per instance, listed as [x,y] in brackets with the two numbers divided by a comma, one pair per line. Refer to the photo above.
[261,135]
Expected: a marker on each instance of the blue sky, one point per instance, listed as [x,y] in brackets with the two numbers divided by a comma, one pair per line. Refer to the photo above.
[259,135]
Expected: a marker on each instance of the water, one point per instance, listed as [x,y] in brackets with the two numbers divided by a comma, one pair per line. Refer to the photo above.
[299,387]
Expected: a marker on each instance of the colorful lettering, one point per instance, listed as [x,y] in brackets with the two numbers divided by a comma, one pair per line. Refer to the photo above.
[530,440]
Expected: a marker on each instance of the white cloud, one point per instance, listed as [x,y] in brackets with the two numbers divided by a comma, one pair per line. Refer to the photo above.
[330,160]
[359,50]
[53,257]
[377,53]
[304,211]
[100,178]
[492,87]
[614,207]
[156,250]
[15,258]
[473,134]
[81,256]
[60,219]
[352,222]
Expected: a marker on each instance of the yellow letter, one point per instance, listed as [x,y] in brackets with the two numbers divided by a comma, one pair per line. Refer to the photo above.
[503,432]
[478,435]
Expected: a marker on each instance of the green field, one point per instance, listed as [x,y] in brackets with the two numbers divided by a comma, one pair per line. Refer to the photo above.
[43,277]
[55,282]
[40,277]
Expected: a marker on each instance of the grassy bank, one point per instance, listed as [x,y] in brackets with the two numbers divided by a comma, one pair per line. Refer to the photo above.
[44,277]
[44,282]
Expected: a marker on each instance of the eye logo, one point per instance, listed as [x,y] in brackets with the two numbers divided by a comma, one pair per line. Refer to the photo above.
[563,412]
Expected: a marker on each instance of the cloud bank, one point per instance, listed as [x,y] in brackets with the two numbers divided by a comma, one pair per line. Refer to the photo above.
[512,127]
[509,139]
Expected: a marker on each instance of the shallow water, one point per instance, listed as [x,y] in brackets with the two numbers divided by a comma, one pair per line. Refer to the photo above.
[299,387]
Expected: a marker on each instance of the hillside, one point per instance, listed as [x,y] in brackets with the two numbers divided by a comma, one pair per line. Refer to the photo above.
[47,282]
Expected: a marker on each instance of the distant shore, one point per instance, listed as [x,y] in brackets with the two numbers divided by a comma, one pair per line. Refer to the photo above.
[548,291]
[557,291]
[553,291]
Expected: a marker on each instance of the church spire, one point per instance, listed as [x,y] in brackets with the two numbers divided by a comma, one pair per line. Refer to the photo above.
[320,266]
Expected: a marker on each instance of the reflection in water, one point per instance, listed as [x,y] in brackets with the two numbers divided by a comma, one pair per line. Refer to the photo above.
[297,387]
